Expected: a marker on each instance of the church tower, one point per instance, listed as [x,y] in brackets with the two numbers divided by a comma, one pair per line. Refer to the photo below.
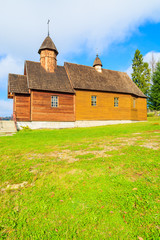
[97,64]
[48,55]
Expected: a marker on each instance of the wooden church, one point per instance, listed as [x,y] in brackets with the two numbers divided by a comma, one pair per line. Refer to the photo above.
[73,95]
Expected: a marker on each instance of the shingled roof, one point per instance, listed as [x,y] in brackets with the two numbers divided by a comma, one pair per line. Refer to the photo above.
[71,76]
[48,44]
[40,79]
[87,78]
[17,84]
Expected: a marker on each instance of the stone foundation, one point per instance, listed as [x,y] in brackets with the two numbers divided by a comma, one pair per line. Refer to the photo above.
[45,125]
[59,125]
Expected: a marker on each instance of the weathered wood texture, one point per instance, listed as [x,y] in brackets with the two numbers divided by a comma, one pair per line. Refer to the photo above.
[141,109]
[48,60]
[41,109]
[38,108]
[105,109]
[22,107]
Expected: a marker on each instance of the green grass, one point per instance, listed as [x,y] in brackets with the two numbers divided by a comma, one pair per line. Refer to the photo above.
[84,183]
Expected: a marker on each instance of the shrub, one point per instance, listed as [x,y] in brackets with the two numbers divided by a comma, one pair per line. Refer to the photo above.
[150,114]
[26,128]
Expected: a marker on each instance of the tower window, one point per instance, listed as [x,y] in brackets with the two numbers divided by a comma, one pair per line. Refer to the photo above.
[116,101]
[54,101]
[93,100]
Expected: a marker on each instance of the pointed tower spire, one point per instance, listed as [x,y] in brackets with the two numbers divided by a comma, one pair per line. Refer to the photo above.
[48,54]
[97,64]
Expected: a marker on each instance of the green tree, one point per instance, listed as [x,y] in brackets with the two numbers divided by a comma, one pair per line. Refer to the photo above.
[154,98]
[141,75]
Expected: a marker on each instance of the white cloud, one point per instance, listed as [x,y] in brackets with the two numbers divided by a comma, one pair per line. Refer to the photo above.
[9,65]
[152,57]
[129,70]
[149,57]
[6,108]
[75,25]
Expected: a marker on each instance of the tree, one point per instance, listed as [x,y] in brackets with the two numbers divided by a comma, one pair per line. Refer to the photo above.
[154,98]
[141,75]
[152,63]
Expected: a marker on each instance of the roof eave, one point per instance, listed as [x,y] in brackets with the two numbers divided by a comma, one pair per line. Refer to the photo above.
[48,90]
[54,50]
[107,91]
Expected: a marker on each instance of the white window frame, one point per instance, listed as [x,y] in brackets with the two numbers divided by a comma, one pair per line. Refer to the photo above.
[93,100]
[116,101]
[54,101]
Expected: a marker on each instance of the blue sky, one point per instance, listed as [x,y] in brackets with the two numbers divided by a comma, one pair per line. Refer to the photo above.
[78,29]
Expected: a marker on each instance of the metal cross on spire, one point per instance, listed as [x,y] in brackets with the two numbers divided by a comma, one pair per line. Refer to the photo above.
[96,52]
[48,26]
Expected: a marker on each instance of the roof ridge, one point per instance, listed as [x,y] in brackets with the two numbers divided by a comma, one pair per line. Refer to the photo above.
[114,70]
[78,64]
[93,67]
[39,62]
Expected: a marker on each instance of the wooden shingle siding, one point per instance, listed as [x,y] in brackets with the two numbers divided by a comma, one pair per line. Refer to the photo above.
[17,84]
[22,107]
[41,109]
[105,110]
[41,80]
[87,78]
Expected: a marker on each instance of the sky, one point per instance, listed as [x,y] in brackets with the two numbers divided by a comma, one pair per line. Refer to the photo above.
[80,29]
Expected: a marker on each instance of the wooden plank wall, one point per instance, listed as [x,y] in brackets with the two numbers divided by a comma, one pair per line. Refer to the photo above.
[41,109]
[22,107]
[142,109]
[39,106]
[105,109]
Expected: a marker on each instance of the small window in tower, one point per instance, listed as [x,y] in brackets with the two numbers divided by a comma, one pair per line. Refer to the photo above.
[134,102]
[54,101]
[93,100]
[116,101]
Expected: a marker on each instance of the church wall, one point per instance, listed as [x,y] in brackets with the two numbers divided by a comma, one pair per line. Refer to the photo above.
[22,107]
[141,109]
[78,108]
[105,110]
[41,109]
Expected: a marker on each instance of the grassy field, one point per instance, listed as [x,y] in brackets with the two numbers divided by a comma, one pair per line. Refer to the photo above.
[87,183]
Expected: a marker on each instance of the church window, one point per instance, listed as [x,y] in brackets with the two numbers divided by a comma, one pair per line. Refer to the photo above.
[93,100]
[116,101]
[54,101]
[134,102]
